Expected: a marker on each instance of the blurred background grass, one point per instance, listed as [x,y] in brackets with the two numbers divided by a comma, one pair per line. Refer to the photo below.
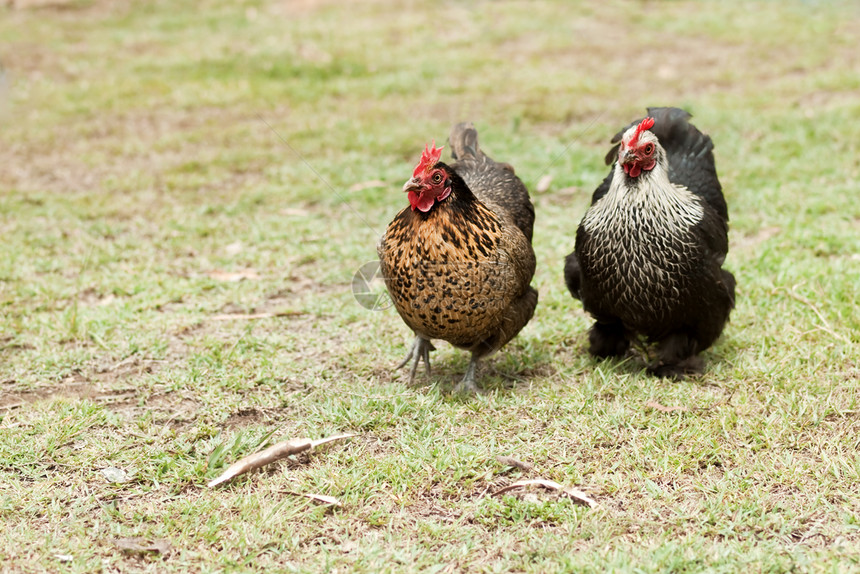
[170,169]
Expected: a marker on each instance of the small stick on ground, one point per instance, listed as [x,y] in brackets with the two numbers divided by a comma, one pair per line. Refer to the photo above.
[574,494]
[511,461]
[825,326]
[275,452]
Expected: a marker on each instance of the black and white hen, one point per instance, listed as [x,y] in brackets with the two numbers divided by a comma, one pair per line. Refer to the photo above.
[647,264]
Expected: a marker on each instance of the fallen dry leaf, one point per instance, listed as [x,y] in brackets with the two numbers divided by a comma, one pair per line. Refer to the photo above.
[323,498]
[543,184]
[575,494]
[142,546]
[234,248]
[275,452]
[241,316]
[510,461]
[579,496]
[116,475]
[232,276]
[262,458]
[658,407]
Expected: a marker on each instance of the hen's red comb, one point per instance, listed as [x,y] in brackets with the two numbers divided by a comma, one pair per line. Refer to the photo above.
[645,124]
[429,158]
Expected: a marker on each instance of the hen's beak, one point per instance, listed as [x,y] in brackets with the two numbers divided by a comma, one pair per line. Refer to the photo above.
[413,184]
[626,156]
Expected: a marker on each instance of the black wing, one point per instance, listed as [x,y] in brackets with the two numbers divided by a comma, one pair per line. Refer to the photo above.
[690,153]
[573,275]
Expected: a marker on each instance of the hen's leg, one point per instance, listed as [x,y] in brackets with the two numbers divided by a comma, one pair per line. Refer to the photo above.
[676,357]
[421,348]
[468,385]
[514,319]
[678,353]
[607,340]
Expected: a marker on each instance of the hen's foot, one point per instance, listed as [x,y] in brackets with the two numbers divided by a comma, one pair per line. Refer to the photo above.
[468,384]
[420,350]
[607,340]
[676,357]
[694,365]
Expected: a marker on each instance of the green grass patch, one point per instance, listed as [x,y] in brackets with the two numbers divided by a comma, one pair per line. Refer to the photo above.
[188,188]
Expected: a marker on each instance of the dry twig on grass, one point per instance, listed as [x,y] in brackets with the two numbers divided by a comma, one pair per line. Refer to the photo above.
[142,546]
[574,494]
[325,499]
[825,325]
[511,461]
[275,452]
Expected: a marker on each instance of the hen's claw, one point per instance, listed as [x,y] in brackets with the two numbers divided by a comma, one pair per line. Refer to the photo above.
[421,348]
[468,385]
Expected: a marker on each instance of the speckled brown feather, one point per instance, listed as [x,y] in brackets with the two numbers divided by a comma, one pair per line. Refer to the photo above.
[461,271]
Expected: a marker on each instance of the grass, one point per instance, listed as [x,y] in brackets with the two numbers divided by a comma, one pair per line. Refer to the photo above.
[155,153]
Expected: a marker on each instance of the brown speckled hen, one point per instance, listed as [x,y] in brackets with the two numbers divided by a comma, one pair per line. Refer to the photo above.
[458,260]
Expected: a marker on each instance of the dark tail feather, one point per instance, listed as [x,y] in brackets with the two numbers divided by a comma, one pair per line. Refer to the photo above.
[672,128]
[464,141]
[729,282]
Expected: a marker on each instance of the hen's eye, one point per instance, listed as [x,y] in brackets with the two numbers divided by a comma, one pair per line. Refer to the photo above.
[649,148]
[437,177]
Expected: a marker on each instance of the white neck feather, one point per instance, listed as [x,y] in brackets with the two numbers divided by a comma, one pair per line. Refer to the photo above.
[654,202]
